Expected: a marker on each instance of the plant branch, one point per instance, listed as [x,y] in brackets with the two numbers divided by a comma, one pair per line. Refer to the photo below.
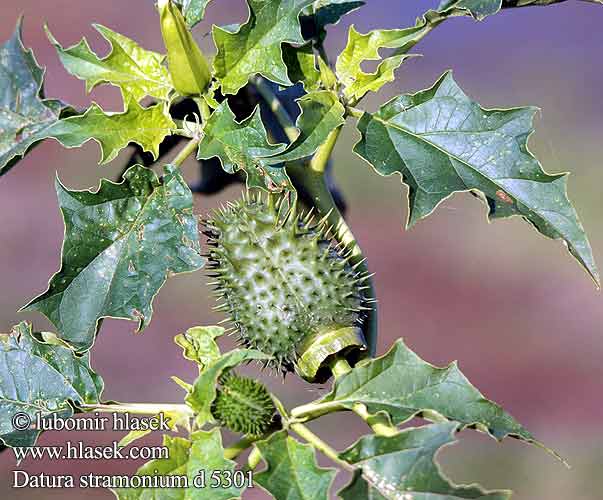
[140,408]
[254,459]
[239,447]
[281,114]
[313,180]
[378,423]
[203,108]
[339,367]
[306,434]
[355,112]
[319,161]
[186,151]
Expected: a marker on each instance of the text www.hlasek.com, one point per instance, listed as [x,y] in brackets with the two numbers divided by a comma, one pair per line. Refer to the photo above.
[79,451]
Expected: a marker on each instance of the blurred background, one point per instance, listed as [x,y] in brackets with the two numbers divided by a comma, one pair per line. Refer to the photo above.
[520,315]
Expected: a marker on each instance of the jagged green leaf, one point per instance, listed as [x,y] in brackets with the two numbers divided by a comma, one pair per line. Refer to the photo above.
[442,142]
[25,115]
[402,385]
[114,131]
[193,10]
[203,393]
[40,375]
[174,467]
[403,466]
[175,418]
[243,145]
[256,46]
[331,11]
[322,112]
[479,9]
[207,454]
[136,71]
[365,47]
[121,243]
[292,472]
[199,344]
[301,65]
[372,82]
[202,454]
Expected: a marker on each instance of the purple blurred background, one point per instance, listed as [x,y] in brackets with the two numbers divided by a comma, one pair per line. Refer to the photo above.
[518,313]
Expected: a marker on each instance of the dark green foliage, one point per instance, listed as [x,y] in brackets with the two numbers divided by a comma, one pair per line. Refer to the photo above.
[281,277]
[243,405]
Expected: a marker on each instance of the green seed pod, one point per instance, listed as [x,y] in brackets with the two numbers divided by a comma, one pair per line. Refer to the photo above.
[288,287]
[188,67]
[243,405]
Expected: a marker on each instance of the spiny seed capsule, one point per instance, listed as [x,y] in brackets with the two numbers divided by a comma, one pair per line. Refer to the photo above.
[286,283]
[243,405]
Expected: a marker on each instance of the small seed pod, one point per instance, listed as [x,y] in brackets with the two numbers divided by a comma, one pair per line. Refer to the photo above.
[287,285]
[243,405]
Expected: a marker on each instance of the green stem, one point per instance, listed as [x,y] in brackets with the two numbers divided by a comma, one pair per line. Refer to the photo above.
[306,434]
[339,367]
[186,151]
[355,112]
[254,459]
[203,108]
[312,411]
[313,180]
[140,408]
[276,107]
[319,161]
[378,423]
[239,447]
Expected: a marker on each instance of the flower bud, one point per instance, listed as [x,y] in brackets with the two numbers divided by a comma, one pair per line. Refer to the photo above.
[188,67]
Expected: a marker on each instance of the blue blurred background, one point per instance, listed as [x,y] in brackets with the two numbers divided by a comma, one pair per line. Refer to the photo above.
[522,318]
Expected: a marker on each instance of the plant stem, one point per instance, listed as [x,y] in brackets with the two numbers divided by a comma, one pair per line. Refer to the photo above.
[254,459]
[339,367]
[276,107]
[378,423]
[140,408]
[186,151]
[355,112]
[239,447]
[305,433]
[313,180]
[320,160]
[203,108]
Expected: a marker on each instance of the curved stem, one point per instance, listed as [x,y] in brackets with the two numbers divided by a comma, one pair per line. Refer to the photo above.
[339,367]
[140,408]
[313,180]
[186,151]
[203,108]
[276,107]
[355,112]
[320,160]
[305,433]
[378,423]
[239,447]
[254,459]
[311,177]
